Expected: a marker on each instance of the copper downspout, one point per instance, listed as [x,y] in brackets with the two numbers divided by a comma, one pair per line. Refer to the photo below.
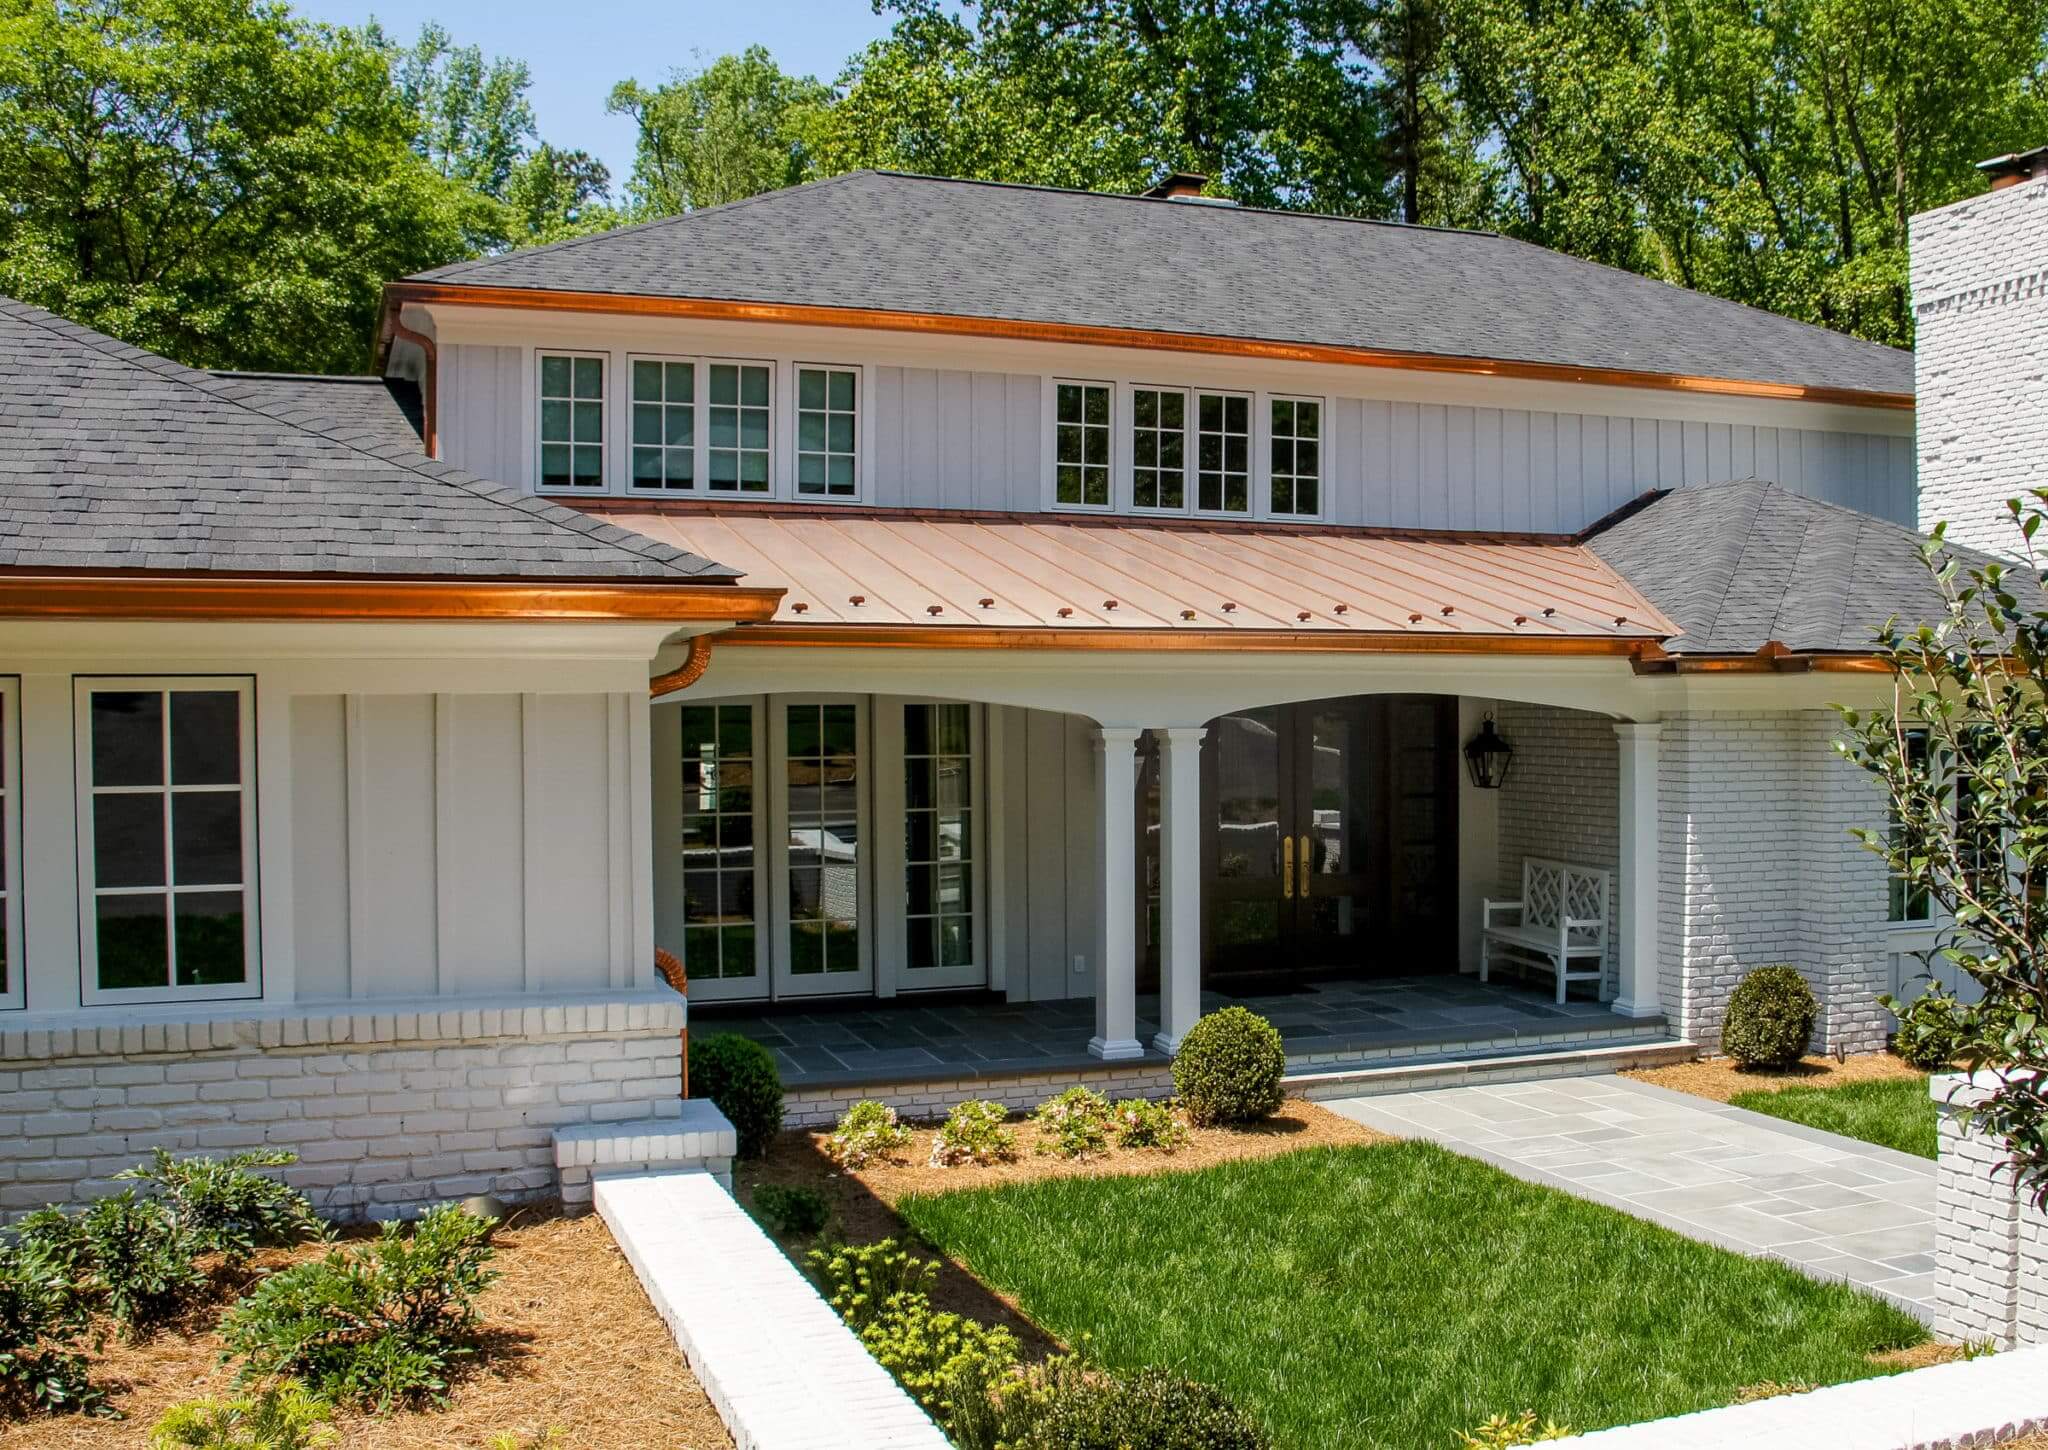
[430,386]
[687,673]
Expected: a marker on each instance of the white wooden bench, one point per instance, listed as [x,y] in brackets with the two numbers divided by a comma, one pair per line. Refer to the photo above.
[1560,921]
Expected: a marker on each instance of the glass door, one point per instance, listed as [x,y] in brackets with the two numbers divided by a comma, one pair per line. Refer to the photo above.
[821,880]
[941,853]
[1248,866]
[722,933]
[1335,850]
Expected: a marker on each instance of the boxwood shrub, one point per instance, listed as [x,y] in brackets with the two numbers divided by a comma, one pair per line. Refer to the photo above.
[738,1074]
[1229,1068]
[1770,1018]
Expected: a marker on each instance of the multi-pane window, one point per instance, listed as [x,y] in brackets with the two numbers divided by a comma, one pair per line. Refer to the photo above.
[1223,453]
[166,837]
[1907,901]
[571,421]
[1159,447]
[664,424]
[10,864]
[1081,444]
[826,401]
[1297,456]
[737,425]
[938,848]
[719,917]
[822,778]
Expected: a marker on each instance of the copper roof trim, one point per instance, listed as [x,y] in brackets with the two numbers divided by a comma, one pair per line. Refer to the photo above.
[85,596]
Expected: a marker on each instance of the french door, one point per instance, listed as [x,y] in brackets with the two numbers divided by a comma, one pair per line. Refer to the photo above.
[1329,841]
[824,938]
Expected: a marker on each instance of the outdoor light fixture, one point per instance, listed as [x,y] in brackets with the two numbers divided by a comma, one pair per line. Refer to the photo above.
[1487,756]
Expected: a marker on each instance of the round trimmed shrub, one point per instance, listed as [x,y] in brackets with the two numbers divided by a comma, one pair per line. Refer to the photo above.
[1770,1018]
[1229,1067]
[738,1074]
[1154,1409]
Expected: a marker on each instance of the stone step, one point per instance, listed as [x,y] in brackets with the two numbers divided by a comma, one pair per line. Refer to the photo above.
[691,1134]
[1415,1075]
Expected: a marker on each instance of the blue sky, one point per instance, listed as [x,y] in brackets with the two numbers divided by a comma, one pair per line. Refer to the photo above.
[578,51]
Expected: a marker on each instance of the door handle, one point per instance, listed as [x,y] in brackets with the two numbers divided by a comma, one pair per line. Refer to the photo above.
[1304,868]
[1287,867]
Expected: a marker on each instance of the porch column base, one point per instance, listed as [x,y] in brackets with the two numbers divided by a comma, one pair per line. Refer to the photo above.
[1115,1049]
[1163,1043]
[1629,1007]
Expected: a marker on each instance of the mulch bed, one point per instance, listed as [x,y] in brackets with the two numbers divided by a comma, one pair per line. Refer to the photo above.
[570,1344]
[863,1200]
[1720,1079]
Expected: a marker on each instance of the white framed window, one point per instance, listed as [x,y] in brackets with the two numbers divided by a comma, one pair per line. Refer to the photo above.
[820,878]
[1159,448]
[724,922]
[827,432]
[1296,439]
[1223,453]
[1081,444]
[12,958]
[663,425]
[570,429]
[941,850]
[739,454]
[166,774]
[1191,450]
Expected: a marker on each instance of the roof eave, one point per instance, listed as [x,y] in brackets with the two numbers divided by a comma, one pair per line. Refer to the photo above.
[397,294]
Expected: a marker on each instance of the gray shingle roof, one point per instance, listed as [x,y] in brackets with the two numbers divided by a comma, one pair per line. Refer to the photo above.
[1742,564]
[979,249]
[112,458]
[387,410]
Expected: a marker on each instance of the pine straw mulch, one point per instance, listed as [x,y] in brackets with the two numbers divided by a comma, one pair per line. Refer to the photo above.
[863,1199]
[570,1343]
[1720,1079]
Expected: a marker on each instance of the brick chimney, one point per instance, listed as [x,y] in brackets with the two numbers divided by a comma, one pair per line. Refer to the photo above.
[1980,305]
[1178,186]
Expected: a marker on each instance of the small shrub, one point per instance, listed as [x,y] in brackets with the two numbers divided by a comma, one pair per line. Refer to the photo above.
[282,1415]
[792,1211]
[44,1320]
[1936,1029]
[869,1131]
[1076,1122]
[552,1438]
[974,1132]
[1150,1410]
[1229,1068]
[1503,1432]
[141,1261]
[858,1280]
[375,1325]
[226,1208]
[1140,1123]
[1770,1018]
[933,1354]
[738,1074]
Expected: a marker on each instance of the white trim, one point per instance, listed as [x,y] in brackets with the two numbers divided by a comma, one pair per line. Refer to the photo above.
[1049,483]
[1262,457]
[607,396]
[783,979]
[758,987]
[15,993]
[624,483]
[1125,486]
[863,432]
[892,867]
[244,689]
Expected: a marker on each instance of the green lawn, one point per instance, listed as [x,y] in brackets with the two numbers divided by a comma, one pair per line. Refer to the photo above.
[1896,1113]
[1391,1296]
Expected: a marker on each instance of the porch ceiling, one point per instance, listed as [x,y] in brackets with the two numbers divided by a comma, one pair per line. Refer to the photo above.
[903,571]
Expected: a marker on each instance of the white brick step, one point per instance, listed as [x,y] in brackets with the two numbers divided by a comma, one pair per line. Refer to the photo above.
[697,1136]
[1411,1076]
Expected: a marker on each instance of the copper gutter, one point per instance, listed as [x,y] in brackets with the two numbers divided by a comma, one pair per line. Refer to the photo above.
[705,309]
[1772,659]
[687,673]
[88,597]
[430,388]
[834,636]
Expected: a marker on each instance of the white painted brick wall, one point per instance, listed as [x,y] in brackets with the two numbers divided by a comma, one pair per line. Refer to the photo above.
[1562,802]
[387,1111]
[1980,305]
[1758,868]
[1991,1243]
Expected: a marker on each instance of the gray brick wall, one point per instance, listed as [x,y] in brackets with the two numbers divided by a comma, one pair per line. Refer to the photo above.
[1980,303]
[1562,802]
[387,1113]
[1991,1243]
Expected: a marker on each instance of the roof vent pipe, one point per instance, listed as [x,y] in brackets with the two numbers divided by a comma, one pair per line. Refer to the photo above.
[2020,166]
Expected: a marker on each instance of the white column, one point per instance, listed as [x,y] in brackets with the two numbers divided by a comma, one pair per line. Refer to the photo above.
[1180,883]
[1116,922]
[1638,870]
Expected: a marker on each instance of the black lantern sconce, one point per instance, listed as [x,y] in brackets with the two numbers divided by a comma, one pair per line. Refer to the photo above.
[1487,756]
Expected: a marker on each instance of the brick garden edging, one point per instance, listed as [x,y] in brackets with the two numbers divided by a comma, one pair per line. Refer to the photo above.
[1991,1243]
[1956,1406]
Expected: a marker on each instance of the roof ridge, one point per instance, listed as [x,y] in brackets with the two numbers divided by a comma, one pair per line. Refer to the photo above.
[1748,534]
[445,474]
[464,267]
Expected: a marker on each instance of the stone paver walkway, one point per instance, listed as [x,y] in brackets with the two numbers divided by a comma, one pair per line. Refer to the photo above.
[1834,1207]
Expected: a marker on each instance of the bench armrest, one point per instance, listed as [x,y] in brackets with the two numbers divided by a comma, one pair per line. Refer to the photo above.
[1573,923]
[1488,906]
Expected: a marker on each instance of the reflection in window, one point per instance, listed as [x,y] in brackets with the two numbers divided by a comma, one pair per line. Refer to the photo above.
[664,424]
[737,426]
[165,799]
[1159,444]
[1297,456]
[938,793]
[825,456]
[823,776]
[1908,902]
[718,841]
[1081,444]
[1223,443]
[571,421]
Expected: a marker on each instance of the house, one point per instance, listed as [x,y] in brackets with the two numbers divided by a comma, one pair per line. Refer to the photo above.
[976,628]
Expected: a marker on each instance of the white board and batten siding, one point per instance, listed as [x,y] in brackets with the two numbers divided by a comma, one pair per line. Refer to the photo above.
[466,844]
[947,437]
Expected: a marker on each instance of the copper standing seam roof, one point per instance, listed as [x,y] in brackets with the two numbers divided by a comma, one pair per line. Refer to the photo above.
[918,573]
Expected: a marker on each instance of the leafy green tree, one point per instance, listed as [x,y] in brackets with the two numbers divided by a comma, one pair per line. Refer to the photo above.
[739,127]
[555,195]
[1962,754]
[212,179]
[473,116]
